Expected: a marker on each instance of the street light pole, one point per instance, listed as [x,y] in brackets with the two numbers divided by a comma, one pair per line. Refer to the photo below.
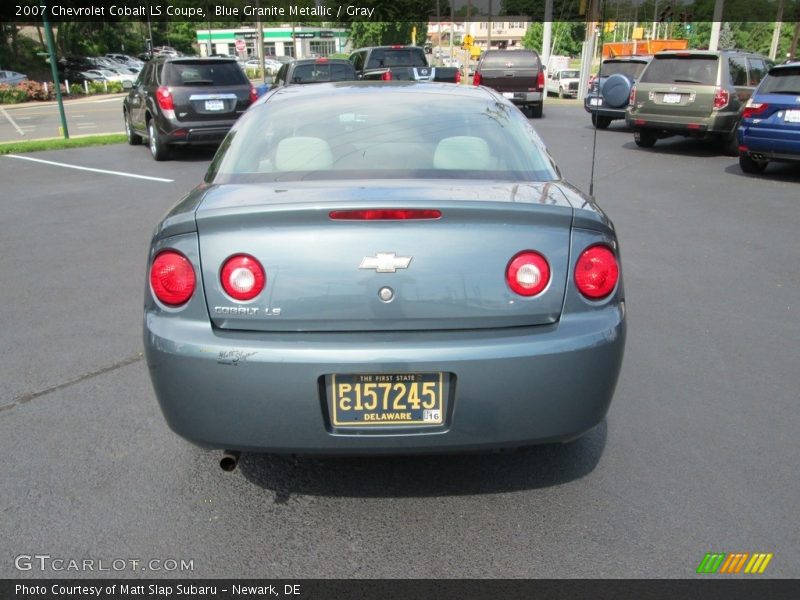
[51,50]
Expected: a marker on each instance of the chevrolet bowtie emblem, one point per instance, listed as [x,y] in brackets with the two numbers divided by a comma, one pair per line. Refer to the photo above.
[385,262]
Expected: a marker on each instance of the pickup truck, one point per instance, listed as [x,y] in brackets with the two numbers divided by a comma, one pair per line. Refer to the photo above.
[314,70]
[563,82]
[400,63]
[516,74]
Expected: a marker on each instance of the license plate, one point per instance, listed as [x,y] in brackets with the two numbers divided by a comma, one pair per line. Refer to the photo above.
[508,94]
[672,98]
[595,101]
[792,116]
[215,105]
[386,399]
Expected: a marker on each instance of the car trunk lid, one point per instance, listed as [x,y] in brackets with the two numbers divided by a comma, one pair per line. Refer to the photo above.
[327,274]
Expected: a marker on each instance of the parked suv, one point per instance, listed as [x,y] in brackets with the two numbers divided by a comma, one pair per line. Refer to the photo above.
[185,101]
[516,74]
[610,90]
[696,93]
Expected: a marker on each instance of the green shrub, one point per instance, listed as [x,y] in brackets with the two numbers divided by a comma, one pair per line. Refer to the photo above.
[12,94]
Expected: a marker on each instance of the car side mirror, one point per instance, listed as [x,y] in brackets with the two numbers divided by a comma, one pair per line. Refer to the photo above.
[127,85]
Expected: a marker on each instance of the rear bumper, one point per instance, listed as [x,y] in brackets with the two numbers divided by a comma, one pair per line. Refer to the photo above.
[194,132]
[718,123]
[265,392]
[772,144]
[524,98]
[602,110]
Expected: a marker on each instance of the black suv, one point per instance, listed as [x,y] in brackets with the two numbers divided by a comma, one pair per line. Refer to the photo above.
[180,101]
[610,89]
[315,70]
[695,93]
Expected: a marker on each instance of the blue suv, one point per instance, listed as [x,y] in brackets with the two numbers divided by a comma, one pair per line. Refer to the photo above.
[770,125]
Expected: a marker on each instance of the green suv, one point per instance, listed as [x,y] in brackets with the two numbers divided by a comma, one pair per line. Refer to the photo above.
[696,93]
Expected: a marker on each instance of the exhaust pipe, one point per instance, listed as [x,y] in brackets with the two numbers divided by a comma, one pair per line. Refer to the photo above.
[229,460]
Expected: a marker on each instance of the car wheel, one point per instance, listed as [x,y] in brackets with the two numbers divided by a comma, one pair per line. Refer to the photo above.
[158,148]
[535,111]
[645,138]
[748,165]
[133,138]
[601,122]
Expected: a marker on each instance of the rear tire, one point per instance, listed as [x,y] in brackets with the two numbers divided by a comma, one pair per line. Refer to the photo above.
[645,138]
[601,122]
[536,110]
[748,165]
[133,138]
[158,149]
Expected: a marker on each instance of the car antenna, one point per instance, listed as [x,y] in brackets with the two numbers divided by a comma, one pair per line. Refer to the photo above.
[601,24]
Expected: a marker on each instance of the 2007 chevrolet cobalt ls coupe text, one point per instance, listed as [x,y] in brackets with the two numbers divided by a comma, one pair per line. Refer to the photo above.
[383,268]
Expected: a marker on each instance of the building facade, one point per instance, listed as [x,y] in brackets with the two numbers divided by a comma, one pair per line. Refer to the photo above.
[504,34]
[298,42]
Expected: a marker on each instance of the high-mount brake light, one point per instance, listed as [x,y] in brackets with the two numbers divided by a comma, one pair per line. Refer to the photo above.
[385,214]
[172,278]
[242,277]
[164,98]
[528,273]
[596,272]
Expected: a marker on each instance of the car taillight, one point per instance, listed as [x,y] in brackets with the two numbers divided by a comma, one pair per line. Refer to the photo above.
[164,98]
[476,79]
[596,272]
[458,76]
[721,98]
[385,214]
[592,79]
[632,97]
[387,76]
[540,79]
[242,277]
[753,109]
[172,278]
[253,94]
[528,273]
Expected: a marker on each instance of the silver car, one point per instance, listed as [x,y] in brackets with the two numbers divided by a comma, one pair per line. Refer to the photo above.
[383,268]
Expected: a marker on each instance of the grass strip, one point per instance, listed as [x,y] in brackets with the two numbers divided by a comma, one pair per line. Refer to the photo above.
[60,143]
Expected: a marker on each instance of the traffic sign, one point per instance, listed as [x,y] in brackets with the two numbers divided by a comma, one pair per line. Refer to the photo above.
[240,45]
[468,40]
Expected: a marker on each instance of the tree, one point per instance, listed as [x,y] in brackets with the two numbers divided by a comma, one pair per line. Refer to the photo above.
[365,33]
[566,39]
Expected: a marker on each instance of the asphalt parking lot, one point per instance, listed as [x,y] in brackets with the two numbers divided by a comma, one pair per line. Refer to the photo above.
[699,452]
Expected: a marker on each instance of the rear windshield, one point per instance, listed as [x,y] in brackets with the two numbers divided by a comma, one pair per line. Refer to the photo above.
[399,57]
[203,73]
[373,135]
[679,69]
[782,81]
[319,73]
[631,70]
[500,60]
